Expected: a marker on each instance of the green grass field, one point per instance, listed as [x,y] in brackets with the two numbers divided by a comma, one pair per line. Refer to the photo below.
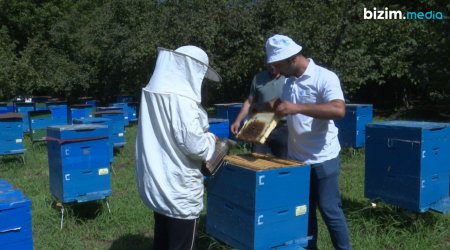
[130,223]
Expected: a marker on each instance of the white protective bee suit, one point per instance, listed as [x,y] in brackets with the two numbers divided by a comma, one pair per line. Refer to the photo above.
[172,135]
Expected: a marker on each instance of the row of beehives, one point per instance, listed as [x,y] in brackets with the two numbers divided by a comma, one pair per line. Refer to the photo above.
[18,118]
[407,163]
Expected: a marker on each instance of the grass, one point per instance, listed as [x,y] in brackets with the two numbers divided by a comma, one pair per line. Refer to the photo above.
[129,225]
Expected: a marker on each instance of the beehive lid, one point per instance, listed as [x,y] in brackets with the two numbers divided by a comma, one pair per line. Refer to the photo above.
[4,184]
[76,127]
[111,108]
[410,125]
[258,127]
[258,161]
[83,98]
[38,113]
[11,115]
[12,198]
[91,120]
[217,120]
[81,105]
[56,102]
[107,113]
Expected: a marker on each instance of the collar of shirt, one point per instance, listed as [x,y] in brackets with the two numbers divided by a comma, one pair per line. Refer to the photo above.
[308,72]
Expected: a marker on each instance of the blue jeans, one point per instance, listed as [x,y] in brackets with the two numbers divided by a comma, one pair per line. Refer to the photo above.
[325,195]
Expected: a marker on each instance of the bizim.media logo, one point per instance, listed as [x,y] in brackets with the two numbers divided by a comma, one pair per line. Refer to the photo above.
[386,13]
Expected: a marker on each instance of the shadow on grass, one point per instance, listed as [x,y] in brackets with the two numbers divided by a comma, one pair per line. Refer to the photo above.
[387,215]
[83,211]
[11,159]
[132,241]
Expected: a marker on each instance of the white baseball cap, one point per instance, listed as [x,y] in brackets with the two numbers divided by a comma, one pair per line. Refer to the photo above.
[200,56]
[280,47]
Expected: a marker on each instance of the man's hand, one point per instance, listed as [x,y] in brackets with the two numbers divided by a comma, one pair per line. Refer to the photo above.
[335,109]
[235,127]
[286,108]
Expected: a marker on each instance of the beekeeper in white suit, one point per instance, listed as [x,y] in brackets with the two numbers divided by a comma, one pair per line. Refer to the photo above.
[172,141]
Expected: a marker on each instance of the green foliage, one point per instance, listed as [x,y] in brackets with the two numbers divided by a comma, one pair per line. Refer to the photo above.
[7,64]
[104,48]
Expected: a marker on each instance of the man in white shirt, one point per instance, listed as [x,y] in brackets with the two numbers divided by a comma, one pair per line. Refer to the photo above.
[312,97]
[172,142]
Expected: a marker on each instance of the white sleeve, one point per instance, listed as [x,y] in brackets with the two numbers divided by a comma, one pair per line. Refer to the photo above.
[332,87]
[191,137]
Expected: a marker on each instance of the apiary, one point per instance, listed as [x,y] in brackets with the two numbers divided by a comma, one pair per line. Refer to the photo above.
[88,100]
[352,128]
[39,120]
[124,109]
[23,108]
[15,218]
[59,112]
[40,102]
[79,159]
[117,124]
[6,108]
[408,164]
[80,111]
[259,202]
[219,127]
[11,134]
[133,111]
[101,121]
[228,111]
[124,98]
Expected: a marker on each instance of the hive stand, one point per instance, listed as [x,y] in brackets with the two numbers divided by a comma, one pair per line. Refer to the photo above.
[79,164]
[63,205]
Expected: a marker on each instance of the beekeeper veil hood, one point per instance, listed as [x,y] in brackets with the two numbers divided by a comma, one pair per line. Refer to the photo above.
[181,72]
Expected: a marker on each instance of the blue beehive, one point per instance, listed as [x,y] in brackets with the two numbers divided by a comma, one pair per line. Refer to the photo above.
[59,112]
[39,102]
[4,184]
[15,218]
[6,108]
[117,125]
[124,109]
[23,108]
[11,134]
[229,111]
[79,162]
[245,206]
[110,108]
[133,111]
[408,164]
[94,103]
[124,98]
[101,121]
[352,128]
[79,111]
[39,120]
[88,100]
[219,127]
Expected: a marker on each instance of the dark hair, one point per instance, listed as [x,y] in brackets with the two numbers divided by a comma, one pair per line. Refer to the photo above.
[300,53]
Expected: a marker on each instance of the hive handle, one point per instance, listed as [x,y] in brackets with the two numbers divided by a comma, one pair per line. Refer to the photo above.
[11,230]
